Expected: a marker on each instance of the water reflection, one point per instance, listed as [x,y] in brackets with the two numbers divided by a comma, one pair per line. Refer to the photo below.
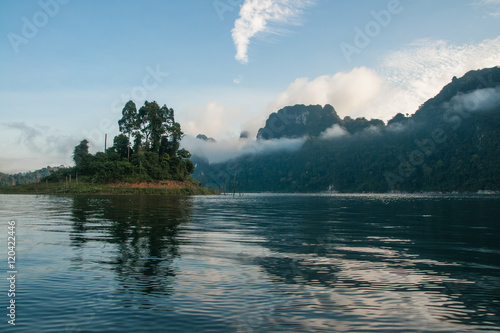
[137,237]
[392,261]
[266,263]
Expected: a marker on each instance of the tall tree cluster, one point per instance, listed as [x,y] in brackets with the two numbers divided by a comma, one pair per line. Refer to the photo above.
[147,149]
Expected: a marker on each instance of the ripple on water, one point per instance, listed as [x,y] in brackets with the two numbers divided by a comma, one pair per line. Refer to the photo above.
[258,263]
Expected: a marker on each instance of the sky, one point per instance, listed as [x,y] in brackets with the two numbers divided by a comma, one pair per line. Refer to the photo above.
[69,66]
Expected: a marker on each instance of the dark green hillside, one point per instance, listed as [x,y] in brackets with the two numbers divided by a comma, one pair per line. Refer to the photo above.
[25,178]
[452,143]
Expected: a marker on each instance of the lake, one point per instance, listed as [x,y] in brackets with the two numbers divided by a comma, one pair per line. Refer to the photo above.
[255,263]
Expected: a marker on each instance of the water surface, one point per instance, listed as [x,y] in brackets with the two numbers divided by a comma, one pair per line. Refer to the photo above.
[256,263]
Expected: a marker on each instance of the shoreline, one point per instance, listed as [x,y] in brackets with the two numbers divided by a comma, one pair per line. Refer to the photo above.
[174,187]
[169,187]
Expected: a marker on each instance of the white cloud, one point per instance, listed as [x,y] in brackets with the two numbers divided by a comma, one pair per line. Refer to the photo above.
[238,79]
[36,146]
[335,131]
[403,81]
[351,94]
[256,16]
[478,100]
[492,7]
[221,151]
[419,71]
[214,120]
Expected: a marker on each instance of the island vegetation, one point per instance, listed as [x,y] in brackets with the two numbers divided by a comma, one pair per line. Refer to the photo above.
[450,144]
[145,158]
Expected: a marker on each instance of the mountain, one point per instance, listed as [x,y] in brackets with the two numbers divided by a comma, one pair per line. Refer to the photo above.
[298,121]
[205,138]
[310,121]
[451,143]
[25,178]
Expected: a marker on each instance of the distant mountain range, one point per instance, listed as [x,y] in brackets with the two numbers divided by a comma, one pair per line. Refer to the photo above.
[451,143]
[25,178]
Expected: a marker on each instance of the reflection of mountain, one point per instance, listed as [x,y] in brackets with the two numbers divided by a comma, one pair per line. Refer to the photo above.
[140,232]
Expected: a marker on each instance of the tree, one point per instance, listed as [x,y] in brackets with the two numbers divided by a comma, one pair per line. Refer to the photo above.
[153,123]
[82,157]
[129,122]
[157,137]
[121,145]
[81,154]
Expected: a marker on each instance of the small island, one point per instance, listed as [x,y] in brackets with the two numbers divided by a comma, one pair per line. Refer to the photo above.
[153,163]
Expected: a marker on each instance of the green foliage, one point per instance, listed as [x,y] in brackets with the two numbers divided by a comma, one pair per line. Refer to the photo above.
[81,156]
[436,149]
[298,121]
[27,177]
[155,155]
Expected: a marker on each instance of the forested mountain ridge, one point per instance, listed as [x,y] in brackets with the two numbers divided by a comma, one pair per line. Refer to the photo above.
[310,121]
[25,178]
[451,143]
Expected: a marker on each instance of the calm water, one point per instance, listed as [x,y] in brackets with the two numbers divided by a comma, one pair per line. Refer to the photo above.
[259,263]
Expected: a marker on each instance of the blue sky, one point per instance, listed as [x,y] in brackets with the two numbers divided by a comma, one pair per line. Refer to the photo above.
[69,66]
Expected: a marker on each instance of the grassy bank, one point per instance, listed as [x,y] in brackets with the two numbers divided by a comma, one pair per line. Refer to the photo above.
[180,188]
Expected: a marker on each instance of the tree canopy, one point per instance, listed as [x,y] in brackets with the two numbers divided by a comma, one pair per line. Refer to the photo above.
[154,153]
[451,143]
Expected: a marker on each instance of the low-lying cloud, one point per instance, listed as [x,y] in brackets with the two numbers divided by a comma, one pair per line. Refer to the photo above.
[486,99]
[36,140]
[28,134]
[336,131]
[403,80]
[351,94]
[221,151]
[213,120]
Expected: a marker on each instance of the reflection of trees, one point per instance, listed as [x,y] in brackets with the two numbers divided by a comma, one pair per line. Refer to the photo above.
[141,233]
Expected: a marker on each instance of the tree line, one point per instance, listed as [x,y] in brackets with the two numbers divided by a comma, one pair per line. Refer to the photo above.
[439,148]
[147,149]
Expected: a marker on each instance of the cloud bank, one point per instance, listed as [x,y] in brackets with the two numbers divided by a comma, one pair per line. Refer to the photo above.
[478,100]
[256,16]
[402,81]
[213,120]
[349,93]
[221,151]
[336,131]
[31,142]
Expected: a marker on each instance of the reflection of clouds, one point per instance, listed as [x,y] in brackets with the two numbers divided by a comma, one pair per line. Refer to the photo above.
[365,292]
[257,267]
[360,285]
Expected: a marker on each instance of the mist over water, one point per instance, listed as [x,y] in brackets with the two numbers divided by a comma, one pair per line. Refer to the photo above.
[257,263]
